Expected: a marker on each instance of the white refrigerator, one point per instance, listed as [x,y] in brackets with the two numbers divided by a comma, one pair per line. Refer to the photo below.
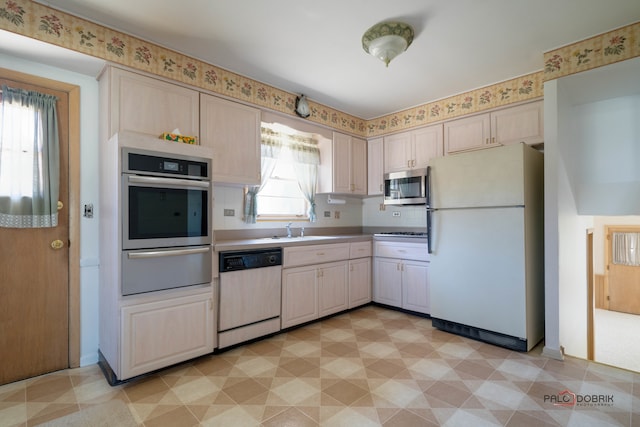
[486,220]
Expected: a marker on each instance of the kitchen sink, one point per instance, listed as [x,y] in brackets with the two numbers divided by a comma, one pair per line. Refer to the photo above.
[298,238]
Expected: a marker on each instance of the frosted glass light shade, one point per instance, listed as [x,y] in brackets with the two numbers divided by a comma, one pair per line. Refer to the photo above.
[387,40]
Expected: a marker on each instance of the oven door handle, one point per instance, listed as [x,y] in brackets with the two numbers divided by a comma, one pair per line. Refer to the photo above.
[135,179]
[172,252]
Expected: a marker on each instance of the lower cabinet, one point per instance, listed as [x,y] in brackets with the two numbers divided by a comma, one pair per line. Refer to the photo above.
[319,280]
[401,282]
[160,333]
[359,281]
[314,291]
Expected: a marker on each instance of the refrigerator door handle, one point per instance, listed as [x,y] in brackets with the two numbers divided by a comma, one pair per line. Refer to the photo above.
[429,209]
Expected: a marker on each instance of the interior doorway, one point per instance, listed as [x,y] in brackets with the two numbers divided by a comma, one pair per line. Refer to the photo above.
[40,310]
[613,336]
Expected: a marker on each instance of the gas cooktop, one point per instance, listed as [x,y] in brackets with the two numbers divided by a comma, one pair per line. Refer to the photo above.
[402,233]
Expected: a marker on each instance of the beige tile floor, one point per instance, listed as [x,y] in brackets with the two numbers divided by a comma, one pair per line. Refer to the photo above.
[368,367]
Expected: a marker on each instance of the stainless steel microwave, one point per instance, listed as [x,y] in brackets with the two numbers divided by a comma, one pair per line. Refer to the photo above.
[406,187]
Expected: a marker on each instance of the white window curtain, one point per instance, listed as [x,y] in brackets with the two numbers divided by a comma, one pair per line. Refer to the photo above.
[307,158]
[625,248]
[29,159]
[270,151]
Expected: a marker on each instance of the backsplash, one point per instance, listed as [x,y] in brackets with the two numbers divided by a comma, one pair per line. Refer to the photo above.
[52,26]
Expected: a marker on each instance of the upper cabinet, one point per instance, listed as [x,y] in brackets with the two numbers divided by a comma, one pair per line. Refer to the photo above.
[233,131]
[412,149]
[134,102]
[343,165]
[375,167]
[522,123]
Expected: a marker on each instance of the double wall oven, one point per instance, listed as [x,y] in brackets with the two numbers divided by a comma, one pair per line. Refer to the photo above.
[166,224]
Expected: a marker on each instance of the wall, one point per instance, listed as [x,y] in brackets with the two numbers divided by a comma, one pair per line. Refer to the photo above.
[591,134]
[88,194]
[231,197]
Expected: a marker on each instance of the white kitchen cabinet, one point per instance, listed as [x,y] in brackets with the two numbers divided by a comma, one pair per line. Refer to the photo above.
[319,280]
[333,288]
[161,333]
[343,165]
[139,103]
[359,282]
[401,276]
[299,295]
[375,167]
[412,149]
[522,123]
[233,131]
[314,291]
[359,273]
[415,286]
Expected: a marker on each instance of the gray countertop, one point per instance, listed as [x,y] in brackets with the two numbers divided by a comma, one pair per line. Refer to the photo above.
[282,242]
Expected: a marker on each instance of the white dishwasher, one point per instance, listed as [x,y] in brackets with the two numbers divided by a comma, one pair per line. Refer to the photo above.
[250,295]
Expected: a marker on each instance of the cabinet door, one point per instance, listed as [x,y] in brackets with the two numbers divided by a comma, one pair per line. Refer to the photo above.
[375,167]
[427,144]
[233,131]
[299,295]
[415,286]
[387,282]
[147,105]
[333,288]
[359,281]
[397,152]
[523,123]
[358,166]
[162,333]
[341,158]
[467,133]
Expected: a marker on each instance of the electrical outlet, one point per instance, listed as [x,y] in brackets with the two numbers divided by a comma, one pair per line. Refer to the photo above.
[396,213]
[336,214]
[88,210]
[327,214]
[229,212]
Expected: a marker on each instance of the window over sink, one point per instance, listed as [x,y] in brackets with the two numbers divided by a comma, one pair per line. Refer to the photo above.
[289,164]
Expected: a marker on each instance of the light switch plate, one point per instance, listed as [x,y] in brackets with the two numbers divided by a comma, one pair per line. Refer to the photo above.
[229,212]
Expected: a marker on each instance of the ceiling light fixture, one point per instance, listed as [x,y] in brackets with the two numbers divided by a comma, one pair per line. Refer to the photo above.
[386,40]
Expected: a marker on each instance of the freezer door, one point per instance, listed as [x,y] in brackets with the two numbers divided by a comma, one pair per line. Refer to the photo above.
[491,177]
[477,269]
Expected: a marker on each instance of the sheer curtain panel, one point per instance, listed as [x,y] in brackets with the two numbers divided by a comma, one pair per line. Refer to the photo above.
[29,159]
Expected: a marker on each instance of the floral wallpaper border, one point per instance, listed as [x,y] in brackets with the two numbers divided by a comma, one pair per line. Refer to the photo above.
[46,24]
[604,49]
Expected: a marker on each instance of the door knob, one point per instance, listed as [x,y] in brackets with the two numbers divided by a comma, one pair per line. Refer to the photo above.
[60,205]
[57,244]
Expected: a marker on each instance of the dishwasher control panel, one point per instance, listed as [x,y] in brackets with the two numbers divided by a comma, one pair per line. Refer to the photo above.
[244,260]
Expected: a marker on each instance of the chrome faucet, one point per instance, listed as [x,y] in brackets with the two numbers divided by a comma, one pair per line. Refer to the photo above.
[289,230]
[301,231]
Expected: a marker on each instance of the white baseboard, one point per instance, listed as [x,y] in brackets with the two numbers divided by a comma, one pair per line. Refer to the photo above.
[553,353]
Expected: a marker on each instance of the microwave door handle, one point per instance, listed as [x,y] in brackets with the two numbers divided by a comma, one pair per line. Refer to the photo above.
[135,179]
[174,252]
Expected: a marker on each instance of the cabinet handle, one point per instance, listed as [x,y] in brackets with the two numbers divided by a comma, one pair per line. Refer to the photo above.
[408,163]
[413,162]
[210,304]
[351,267]
[487,141]
[401,267]
[320,253]
[380,187]
[398,266]
[493,139]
